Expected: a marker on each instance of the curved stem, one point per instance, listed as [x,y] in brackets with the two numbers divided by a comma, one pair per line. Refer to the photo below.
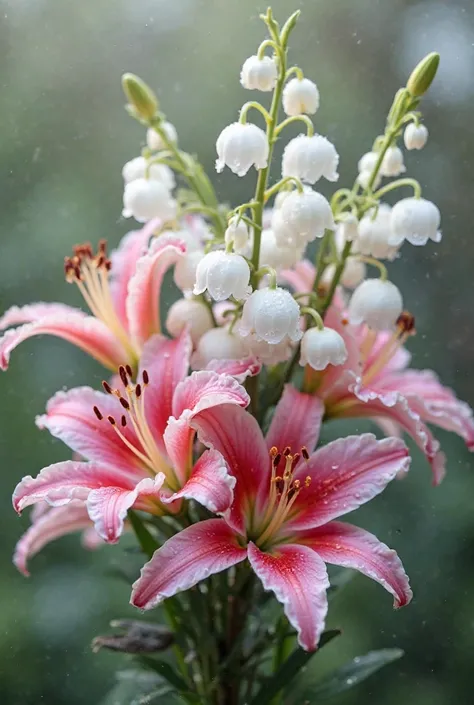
[399,183]
[375,263]
[297,118]
[256,106]
[265,44]
[271,272]
[314,315]
[278,186]
[294,70]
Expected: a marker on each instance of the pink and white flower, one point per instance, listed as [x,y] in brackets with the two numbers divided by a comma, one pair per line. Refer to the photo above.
[138,442]
[122,293]
[282,516]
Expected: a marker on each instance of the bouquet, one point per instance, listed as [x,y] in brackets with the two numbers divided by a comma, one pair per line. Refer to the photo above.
[201,449]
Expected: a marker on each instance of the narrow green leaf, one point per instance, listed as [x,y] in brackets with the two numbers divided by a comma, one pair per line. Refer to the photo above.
[290,668]
[166,671]
[348,676]
[145,538]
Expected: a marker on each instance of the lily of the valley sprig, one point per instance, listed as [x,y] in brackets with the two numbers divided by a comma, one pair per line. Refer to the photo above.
[203,440]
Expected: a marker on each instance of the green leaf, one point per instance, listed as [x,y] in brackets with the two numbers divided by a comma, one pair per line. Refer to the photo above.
[347,676]
[131,686]
[166,671]
[148,543]
[290,668]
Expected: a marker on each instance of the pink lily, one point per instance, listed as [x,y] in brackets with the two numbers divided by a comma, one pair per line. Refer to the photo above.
[138,441]
[282,516]
[122,293]
[376,383]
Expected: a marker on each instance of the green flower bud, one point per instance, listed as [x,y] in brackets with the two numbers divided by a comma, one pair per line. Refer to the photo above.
[140,96]
[422,75]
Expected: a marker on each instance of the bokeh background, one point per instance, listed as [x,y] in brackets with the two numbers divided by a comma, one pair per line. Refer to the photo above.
[64,137]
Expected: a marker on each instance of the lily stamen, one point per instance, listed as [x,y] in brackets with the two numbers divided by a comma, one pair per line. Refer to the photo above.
[405,328]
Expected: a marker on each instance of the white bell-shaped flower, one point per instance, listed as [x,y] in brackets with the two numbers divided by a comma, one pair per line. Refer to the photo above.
[137,169]
[310,158]
[191,313]
[322,347]
[392,163]
[276,255]
[271,315]
[416,220]
[154,140]
[353,274]
[306,216]
[240,146]
[300,96]
[374,234]
[364,178]
[218,344]
[377,303]
[347,228]
[365,166]
[223,275]
[145,199]
[267,353]
[259,74]
[415,136]
[185,269]
[237,234]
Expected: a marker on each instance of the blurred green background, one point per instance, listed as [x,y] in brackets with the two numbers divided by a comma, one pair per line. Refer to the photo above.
[63,140]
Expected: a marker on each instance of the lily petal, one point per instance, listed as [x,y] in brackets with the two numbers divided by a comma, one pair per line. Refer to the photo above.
[348,546]
[210,484]
[300,277]
[345,474]
[238,369]
[108,506]
[298,577]
[188,557]
[53,524]
[296,421]
[237,436]
[71,418]
[87,332]
[60,483]
[143,301]
[124,261]
[17,315]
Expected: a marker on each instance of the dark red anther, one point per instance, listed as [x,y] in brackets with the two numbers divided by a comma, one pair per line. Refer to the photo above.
[304,453]
[124,403]
[129,371]
[295,460]
[276,460]
[123,375]
[287,451]
[138,391]
[97,413]
[145,377]
[123,420]
[111,420]
[107,388]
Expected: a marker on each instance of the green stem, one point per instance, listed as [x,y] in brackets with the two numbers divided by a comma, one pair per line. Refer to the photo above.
[256,106]
[296,118]
[335,280]
[279,185]
[399,183]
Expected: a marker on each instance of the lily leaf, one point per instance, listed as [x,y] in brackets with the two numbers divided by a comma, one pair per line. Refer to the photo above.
[346,677]
[147,542]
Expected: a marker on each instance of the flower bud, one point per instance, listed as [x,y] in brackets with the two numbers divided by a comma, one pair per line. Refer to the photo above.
[192,313]
[392,163]
[306,216]
[223,275]
[217,344]
[140,96]
[237,233]
[416,220]
[155,141]
[374,234]
[320,348]
[185,269]
[367,161]
[137,169]
[365,178]
[423,75]
[259,74]
[276,255]
[415,136]
[272,315]
[240,146]
[377,303]
[145,199]
[310,158]
[300,96]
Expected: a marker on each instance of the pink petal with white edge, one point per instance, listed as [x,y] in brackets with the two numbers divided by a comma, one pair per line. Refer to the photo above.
[71,418]
[344,475]
[435,403]
[124,261]
[166,362]
[210,484]
[53,524]
[298,577]
[188,557]
[399,360]
[143,301]
[339,376]
[108,506]
[88,333]
[296,421]
[396,407]
[60,483]
[237,436]
[17,315]
[348,546]
[206,389]
[238,369]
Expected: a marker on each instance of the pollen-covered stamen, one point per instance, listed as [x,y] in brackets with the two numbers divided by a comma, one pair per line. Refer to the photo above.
[283,491]
[405,328]
[132,402]
[90,271]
